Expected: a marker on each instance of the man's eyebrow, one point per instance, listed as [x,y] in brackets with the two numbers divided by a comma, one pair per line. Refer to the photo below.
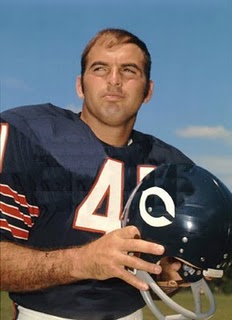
[134,65]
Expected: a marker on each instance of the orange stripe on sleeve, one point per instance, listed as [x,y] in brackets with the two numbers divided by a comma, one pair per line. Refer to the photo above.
[16,232]
[19,199]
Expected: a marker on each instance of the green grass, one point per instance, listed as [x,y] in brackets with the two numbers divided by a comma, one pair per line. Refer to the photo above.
[224,306]
[6,310]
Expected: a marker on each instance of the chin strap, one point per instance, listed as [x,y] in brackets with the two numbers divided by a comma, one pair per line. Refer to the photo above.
[197,287]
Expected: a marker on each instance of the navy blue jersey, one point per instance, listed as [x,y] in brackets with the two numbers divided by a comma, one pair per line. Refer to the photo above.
[61,187]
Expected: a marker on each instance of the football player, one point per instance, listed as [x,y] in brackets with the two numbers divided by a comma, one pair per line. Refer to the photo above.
[65,179]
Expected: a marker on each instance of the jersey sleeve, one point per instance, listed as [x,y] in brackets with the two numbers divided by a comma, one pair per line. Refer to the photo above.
[18,209]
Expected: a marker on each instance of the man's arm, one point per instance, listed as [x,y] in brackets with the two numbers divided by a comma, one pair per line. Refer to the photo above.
[27,269]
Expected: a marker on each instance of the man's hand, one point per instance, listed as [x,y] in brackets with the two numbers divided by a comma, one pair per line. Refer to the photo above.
[169,279]
[170,267]
[109,257]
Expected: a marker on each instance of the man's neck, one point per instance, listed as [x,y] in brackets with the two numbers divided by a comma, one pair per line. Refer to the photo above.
[117,136]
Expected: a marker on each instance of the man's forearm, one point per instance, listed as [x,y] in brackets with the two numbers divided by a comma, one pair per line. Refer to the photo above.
[26,269]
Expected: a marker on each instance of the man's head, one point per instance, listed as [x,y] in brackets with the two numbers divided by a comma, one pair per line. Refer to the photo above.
[114,83]
[111,37]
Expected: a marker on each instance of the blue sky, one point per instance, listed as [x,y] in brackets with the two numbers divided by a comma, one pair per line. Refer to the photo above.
[191,47]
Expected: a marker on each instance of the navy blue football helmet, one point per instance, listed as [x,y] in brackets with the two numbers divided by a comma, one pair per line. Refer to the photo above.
[189,211]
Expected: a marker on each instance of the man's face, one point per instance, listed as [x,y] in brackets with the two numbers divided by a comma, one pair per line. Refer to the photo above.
[113,84]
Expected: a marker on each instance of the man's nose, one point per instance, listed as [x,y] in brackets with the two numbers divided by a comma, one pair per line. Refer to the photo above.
[114,77]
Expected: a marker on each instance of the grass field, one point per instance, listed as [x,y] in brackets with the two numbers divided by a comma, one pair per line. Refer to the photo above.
[224,307]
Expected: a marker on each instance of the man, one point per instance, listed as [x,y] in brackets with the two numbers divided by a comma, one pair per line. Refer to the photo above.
[65,180]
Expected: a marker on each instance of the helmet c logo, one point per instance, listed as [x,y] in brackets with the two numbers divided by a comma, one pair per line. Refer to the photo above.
[168,202]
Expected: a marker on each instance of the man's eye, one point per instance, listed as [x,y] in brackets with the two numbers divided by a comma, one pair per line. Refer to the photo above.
[99,69]
[128,70]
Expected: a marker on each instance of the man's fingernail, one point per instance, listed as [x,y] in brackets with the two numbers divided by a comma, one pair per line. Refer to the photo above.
[144,287]
[160,249]
[157,268]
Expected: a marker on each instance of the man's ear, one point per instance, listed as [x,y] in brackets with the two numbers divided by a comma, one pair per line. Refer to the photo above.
[150,91]
[79,87]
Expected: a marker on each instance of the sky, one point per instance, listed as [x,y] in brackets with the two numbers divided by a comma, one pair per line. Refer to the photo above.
[191,47]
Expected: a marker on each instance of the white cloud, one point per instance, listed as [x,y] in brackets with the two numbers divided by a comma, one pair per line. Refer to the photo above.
[15,83]
[206,132]
[220,166]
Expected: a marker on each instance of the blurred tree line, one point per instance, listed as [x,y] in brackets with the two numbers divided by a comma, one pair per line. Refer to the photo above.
[223,285]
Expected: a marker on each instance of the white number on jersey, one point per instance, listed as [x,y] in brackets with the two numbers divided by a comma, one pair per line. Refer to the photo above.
[4,129]
[109,187]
